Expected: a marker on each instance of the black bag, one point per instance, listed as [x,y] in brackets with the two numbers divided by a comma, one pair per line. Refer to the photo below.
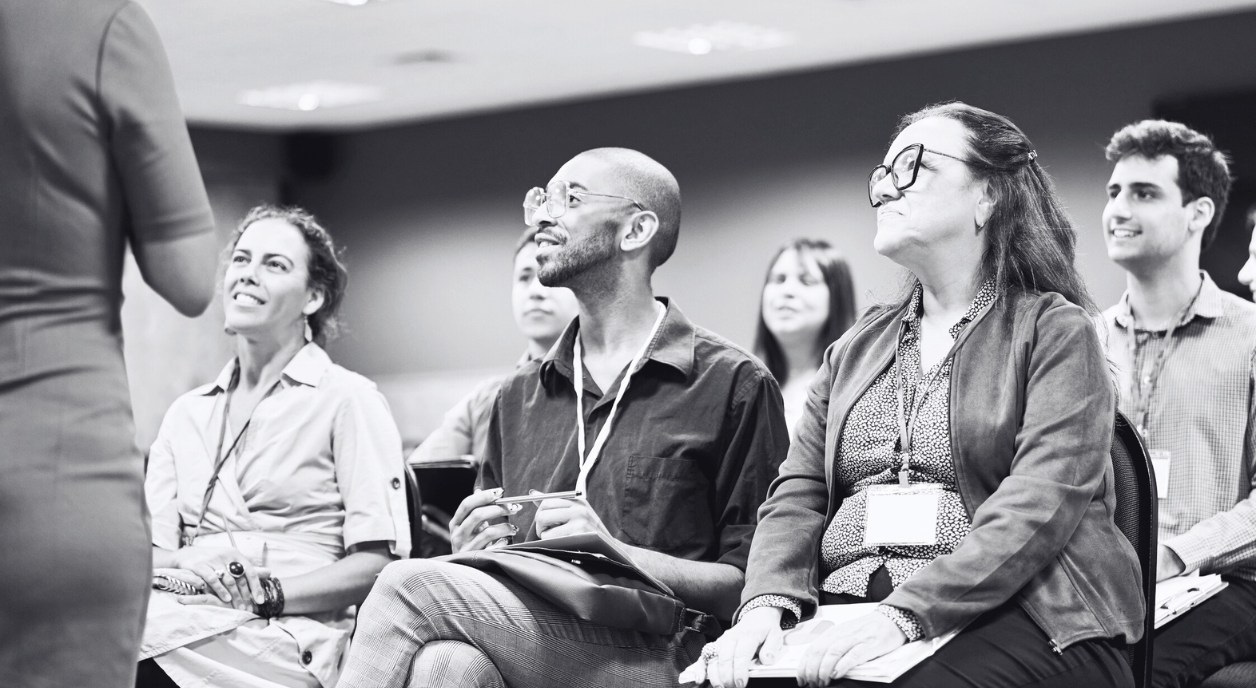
[589,577]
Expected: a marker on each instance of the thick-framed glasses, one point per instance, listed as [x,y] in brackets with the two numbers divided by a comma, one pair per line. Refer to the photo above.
[556,198]
[903,170]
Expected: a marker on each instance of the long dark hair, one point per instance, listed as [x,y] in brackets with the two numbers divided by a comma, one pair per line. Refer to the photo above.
[1030,238]
[841,304]
[327,271]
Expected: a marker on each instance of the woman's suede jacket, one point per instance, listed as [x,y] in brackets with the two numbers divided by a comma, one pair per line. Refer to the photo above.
[1031,418]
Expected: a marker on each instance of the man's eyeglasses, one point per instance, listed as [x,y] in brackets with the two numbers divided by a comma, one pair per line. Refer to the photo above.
[556,198]
[903,170]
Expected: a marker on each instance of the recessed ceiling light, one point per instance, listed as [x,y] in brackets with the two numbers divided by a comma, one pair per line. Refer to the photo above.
[722,36]
[351,3]
[309,96]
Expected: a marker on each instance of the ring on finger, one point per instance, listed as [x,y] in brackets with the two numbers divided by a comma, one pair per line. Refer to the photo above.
[236,569]
[220,574]
[709,652]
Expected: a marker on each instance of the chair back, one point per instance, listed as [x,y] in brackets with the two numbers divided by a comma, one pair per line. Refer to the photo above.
[427,488]
[1136,517]
[414,506]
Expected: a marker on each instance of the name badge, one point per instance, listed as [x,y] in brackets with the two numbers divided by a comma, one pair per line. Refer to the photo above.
[1160,460]
[902,514]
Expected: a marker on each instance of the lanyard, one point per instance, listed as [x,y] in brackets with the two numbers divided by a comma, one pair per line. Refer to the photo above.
[906,424]
[586,462]
[1145,386]
[220,458]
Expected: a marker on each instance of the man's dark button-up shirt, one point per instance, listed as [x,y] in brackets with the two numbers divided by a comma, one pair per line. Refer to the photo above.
[695,443]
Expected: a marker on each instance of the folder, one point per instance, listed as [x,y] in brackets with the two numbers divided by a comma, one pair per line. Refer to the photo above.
[1178,595]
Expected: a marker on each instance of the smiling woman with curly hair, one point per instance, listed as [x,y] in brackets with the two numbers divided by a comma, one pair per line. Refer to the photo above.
[276,490]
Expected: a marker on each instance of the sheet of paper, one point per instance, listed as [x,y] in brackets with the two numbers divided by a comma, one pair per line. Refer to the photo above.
[884,669]
[1176,596]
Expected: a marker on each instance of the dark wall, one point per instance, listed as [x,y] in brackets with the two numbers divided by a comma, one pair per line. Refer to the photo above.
[429,212]
[1230,119]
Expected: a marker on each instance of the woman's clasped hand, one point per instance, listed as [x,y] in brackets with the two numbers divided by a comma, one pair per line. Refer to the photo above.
[214,569]
[726,662]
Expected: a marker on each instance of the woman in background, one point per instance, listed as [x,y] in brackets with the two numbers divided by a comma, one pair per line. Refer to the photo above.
[276,490]
[95,158]
[808,301]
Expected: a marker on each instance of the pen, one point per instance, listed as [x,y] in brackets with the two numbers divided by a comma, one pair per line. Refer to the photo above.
[1182,600]
[538,497]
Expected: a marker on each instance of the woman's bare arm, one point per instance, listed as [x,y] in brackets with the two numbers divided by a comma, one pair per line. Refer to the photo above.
[337,585]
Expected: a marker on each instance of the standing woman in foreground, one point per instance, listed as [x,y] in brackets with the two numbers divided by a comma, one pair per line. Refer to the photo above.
[276,490]
[808,301]
[94,155]
[981,399]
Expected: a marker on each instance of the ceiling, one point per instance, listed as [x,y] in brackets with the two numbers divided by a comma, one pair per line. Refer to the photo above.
[326,64]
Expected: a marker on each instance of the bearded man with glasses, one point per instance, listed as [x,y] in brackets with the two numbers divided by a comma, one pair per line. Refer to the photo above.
[670,434]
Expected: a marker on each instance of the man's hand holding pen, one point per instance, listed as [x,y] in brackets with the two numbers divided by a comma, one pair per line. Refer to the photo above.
[560,516]
[481,519]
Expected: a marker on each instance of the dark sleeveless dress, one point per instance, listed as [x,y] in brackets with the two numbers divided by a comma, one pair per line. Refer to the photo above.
[94,152]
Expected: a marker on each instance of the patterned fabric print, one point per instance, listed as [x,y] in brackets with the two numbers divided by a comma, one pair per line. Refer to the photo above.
[906,621]
[793,610]
[868,456]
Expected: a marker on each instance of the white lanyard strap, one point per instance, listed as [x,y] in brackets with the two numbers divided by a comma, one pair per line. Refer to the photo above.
[586,462]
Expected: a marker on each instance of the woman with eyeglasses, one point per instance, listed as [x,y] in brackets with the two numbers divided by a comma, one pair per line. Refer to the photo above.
[952,464]
[807,302]
[276,490]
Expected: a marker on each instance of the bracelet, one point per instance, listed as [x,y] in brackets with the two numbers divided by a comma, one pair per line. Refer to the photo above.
[272,606]
[278,596]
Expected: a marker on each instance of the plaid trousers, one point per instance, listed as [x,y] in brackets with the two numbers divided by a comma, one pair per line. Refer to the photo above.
[458,626]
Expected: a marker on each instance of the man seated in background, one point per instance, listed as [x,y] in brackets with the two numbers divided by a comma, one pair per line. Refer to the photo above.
[671,433]
[1184,353]
[541,313]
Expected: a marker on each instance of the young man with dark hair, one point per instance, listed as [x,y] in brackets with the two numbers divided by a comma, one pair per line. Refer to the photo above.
[671,433]
[1184,352]
[541,313]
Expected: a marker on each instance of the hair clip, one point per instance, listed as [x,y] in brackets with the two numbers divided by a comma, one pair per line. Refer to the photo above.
[1033,155]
